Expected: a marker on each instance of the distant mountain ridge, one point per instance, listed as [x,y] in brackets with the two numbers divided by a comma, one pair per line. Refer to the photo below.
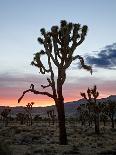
[70,107]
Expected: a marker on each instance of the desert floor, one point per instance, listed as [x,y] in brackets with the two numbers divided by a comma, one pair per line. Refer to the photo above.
[42,139]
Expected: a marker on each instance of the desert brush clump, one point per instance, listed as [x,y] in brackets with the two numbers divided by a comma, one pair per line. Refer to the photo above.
[83,113]
[109,109]
[25,117]
[59,45]
[5,114]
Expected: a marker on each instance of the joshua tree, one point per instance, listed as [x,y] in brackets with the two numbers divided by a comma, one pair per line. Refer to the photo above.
[28,115]
[92,105]
[83,113]
[5,114]
[59,46]
[110,110]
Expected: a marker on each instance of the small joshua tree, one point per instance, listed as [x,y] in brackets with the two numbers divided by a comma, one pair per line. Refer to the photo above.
[91,97]
[51,116]
[110,110]
[83,113]
[28,115]
[5,114]
[59,46]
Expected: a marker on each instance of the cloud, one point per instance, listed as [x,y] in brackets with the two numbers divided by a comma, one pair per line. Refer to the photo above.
[13,85]
[105,87]
[14,80]
[106,58]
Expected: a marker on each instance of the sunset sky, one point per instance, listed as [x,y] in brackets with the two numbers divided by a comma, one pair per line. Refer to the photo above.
[20,22]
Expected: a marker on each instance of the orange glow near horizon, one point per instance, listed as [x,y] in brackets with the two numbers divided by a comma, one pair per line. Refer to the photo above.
[14,102]
[41,101]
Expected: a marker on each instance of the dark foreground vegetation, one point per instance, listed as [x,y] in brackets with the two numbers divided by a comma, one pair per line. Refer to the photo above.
[43,138]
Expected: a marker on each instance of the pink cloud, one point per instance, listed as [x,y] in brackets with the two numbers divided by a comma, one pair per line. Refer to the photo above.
[11,88]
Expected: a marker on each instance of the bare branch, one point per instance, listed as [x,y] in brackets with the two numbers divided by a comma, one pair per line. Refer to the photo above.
[37,62]
[45,86]
[35,92]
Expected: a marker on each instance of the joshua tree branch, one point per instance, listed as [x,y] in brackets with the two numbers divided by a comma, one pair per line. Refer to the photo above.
[52,81]
[88,68]
[42,68]
[35,92]
[49,52]
[45,86]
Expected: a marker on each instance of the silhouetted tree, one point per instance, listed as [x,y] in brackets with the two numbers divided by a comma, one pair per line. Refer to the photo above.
[28,115]
[59,46]
[91,97]
[110,110]
[83,113]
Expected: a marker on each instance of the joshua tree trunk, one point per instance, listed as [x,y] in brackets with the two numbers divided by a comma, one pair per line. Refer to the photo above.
[61,113]
[30,120]
[89,118]
[61,121]
[97,130]
[6,122]
[112,120]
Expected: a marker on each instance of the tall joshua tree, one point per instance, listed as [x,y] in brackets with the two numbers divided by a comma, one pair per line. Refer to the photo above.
[59,46]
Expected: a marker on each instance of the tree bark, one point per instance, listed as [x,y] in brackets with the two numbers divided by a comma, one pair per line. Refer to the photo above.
[60,108]
[61,121]
[97,130]
[112,120]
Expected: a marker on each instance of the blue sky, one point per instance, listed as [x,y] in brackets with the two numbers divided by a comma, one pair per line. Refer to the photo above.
[21,20]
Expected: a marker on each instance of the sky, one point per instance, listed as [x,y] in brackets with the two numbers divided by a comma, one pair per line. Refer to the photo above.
[20,24]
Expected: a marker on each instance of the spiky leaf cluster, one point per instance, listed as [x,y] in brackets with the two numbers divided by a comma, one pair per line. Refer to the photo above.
[59,45]
[91,96]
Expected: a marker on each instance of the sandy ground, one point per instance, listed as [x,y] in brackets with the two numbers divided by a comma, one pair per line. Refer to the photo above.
[42,139]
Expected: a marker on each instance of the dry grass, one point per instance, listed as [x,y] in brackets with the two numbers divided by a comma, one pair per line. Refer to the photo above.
[42,139]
